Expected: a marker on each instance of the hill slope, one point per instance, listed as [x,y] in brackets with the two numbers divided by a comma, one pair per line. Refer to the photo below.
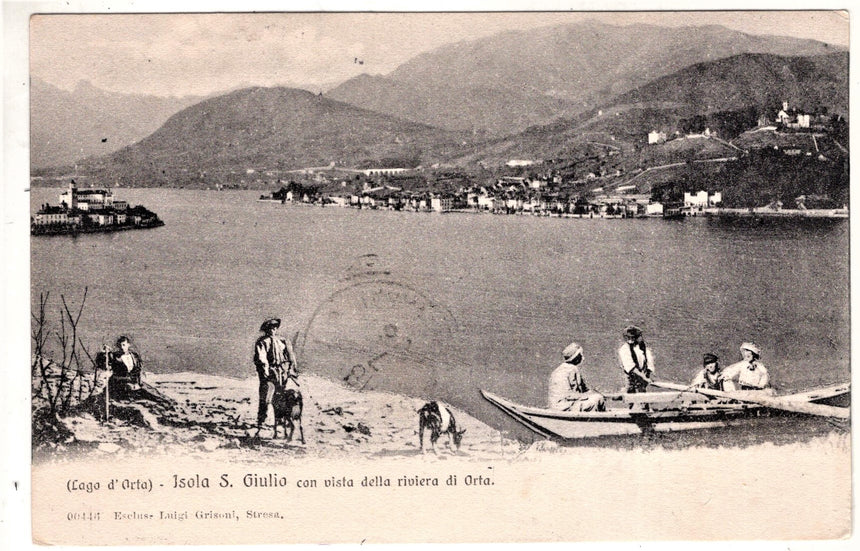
[539,75]
[757,82]
[745,80]
[264,129]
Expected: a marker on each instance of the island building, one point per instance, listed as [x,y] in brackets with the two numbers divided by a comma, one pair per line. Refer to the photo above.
[92,208]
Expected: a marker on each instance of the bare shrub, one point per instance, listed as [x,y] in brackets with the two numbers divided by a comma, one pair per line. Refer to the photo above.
[63,372]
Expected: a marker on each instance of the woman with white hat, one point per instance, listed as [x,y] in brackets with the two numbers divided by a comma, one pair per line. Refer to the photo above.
[567,388]
[747,374]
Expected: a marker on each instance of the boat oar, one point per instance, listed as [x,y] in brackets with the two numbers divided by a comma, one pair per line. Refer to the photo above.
[773,402]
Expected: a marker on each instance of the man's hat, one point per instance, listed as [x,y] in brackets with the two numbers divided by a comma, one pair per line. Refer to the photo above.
[752,348]
[632,332]
[270,324]
[572,351]
[709,359]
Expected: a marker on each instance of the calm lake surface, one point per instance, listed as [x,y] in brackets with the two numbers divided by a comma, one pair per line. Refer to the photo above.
[438,306]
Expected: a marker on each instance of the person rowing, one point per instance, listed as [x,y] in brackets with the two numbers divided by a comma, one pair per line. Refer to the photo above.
[709,376]
[636,360]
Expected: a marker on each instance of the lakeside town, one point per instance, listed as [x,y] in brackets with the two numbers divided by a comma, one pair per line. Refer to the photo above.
[562,188]
[522,196]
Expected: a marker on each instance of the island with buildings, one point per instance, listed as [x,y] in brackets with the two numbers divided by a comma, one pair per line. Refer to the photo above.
[90,211]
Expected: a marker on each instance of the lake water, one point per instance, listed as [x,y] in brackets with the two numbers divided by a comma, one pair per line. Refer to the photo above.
[438,306]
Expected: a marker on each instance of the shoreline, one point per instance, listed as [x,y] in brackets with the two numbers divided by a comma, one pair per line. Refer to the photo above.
[99,229]
[728,213]
[215,419]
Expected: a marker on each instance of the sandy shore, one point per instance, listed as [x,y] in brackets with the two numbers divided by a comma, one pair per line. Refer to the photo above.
[216,417]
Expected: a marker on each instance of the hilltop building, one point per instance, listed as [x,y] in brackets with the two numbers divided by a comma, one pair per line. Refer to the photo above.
[792,118]
[519,162]
[656,137]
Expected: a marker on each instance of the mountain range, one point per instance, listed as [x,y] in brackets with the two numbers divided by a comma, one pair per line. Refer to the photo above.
[505,83]
[66,126]
[524,94]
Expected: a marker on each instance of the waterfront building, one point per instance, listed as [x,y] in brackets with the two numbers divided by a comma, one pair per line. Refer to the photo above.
[441,204]
[485,201]
[339,201]
[654,209]
[702,199]
[51,215]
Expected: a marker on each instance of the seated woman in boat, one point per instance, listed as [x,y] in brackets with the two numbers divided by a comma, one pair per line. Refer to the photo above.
[567,388]
[709,376]
[747,374]
[125,379]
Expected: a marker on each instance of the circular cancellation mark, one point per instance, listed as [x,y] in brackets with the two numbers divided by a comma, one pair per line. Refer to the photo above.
[379,334]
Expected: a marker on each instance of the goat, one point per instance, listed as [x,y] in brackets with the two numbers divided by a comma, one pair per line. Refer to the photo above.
[438,420]
[287,406]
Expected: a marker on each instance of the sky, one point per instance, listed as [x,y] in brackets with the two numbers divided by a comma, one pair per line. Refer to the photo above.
[182,54]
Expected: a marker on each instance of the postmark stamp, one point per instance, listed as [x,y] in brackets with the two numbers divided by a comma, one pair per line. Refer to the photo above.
[377,332]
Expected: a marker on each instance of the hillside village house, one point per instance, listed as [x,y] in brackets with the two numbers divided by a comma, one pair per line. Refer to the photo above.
[382,171]
[792,118]
[656,137]
[702,199]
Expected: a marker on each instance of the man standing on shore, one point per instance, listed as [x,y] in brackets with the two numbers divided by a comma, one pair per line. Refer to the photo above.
[275,361]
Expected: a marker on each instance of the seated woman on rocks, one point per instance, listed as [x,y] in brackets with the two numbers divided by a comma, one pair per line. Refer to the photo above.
[125,379]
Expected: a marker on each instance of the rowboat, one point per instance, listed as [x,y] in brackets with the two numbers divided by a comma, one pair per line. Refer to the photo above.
[685,409]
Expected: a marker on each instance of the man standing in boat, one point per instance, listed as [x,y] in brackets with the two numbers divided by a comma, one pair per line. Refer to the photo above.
[747,374]
[567,388]
[636,360]
[710,375]
[275,362]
